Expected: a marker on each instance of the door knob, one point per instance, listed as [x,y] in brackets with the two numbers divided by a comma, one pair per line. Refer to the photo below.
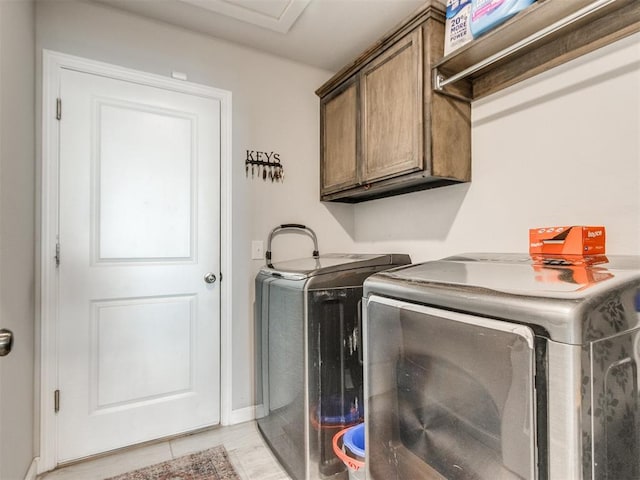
[6,341]
[210,278]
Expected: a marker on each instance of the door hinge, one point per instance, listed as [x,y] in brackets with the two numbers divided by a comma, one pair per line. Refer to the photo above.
[57,257]
[58,108]
[56,401]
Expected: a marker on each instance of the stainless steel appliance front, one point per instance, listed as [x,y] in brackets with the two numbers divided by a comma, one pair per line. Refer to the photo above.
[310,380]
[500,367]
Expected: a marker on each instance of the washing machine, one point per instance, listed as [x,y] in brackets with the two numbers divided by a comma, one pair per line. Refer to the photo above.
[309,356]
[503,366]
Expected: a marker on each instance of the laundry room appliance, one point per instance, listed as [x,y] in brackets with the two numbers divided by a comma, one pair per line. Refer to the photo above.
[309,368]
[488,366]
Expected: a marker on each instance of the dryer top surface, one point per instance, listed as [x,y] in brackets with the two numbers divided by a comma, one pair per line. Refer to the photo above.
[567,297]
[303,268]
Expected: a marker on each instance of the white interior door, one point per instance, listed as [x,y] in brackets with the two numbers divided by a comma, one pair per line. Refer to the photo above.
[139,228]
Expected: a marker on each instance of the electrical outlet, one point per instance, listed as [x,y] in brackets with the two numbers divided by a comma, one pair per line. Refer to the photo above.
[257,250]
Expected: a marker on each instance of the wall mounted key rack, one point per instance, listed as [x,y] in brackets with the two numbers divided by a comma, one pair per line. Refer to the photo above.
[270,169]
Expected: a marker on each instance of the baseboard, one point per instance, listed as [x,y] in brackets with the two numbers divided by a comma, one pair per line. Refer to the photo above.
[242,415]
[32,473]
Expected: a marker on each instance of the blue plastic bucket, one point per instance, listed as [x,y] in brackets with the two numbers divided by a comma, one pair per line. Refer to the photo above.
[354,440]
[352,451]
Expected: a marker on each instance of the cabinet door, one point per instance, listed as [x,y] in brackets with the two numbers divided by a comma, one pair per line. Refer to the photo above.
[392,111]
[339,153]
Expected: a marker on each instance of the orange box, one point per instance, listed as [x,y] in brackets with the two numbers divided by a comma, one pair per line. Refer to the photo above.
[574,274]
[551,260]
[575,240]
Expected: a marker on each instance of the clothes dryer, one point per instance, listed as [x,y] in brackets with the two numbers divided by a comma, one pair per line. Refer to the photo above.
[490,366]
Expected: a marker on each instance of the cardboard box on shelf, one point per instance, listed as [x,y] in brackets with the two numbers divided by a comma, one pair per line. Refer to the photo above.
[457,26]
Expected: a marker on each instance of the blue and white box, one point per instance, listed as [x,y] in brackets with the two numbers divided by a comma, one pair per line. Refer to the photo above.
[488,14]
[457,26]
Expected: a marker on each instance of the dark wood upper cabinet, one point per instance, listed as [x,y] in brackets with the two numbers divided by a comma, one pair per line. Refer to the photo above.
[387,129]
[382,133]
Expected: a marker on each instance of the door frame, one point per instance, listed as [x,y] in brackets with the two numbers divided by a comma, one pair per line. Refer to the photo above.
[53,64]
[1,319]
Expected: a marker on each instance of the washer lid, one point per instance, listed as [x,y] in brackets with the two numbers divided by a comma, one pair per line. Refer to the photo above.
[561,295]
[302,268]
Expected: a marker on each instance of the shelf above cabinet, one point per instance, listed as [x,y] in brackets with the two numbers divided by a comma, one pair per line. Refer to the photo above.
[547,34]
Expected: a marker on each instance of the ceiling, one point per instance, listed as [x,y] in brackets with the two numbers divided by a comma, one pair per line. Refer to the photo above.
[327,34]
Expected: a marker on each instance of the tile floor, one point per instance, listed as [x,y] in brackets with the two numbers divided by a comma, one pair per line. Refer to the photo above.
[248,453]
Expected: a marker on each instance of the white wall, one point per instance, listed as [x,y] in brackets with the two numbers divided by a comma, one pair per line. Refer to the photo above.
[274,109]
[562,148]
[17,242]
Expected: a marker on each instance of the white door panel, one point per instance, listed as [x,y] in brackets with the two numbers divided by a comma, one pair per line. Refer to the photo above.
[141,216]
[138,336]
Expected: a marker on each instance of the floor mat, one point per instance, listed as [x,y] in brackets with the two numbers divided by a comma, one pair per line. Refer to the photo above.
[212,464]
